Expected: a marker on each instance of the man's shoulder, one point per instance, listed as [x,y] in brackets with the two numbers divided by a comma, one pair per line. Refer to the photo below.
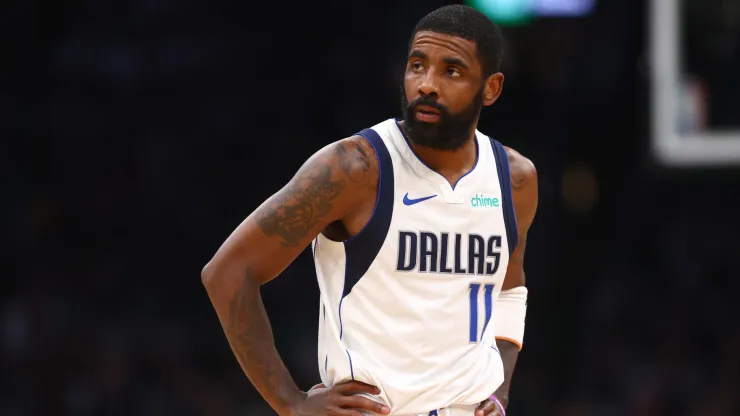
[357,158]
[356,152]
[522,169]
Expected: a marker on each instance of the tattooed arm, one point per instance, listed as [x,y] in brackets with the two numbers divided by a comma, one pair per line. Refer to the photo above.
[332,185]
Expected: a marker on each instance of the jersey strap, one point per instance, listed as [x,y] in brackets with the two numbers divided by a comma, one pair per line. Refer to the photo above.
[361,249]
[504,177]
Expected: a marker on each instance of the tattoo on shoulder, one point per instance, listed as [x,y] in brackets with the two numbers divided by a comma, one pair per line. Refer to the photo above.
[298,208]
[357,161]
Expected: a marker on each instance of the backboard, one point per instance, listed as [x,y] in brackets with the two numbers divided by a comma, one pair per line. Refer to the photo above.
[695,79]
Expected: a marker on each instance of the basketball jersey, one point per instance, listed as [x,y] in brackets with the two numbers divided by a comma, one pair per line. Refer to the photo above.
[406,304]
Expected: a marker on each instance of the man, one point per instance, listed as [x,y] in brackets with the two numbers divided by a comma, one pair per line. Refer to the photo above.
[418,228]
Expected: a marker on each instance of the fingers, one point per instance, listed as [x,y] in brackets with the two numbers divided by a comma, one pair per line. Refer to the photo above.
[359,402]
[354,387]
[343,412]
[338,411]
[486,408]
[349,399]
[318,386]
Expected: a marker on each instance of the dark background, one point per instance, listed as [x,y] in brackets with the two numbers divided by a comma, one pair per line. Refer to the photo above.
[137,134]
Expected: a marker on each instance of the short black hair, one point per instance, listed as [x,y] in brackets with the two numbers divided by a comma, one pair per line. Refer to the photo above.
[467,23]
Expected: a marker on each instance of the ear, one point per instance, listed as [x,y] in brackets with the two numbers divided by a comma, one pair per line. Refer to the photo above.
[492,88]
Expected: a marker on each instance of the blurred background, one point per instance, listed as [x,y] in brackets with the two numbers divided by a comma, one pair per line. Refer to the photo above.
[137,134]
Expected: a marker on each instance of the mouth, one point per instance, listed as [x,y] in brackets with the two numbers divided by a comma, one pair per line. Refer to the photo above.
[425,109]
[427,114]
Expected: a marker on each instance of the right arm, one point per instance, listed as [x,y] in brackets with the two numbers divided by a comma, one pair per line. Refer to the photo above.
[331,185]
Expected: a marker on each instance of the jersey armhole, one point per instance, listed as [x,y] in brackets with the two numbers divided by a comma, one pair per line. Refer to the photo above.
[504,177]
[362,248]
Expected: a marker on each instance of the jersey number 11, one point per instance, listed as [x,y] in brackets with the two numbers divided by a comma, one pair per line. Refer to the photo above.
[488,303]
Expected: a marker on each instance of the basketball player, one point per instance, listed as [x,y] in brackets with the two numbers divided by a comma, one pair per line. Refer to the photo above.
[418,228]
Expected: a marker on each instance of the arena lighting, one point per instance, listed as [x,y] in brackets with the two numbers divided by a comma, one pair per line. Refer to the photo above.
[674,141]
[520,12]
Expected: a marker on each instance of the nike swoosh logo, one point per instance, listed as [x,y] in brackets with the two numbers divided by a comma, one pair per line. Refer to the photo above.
[409,202]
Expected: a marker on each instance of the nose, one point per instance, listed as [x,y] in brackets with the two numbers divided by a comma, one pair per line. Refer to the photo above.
[429,85]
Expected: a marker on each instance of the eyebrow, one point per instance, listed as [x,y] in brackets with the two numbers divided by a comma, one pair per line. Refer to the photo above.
[455,62]
[418,54]
[449,61]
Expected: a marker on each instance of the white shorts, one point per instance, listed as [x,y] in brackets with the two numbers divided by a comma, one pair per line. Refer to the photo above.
[453,411]
[468,410]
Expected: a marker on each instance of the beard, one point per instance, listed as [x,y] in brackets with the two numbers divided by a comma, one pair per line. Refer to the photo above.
[450,132]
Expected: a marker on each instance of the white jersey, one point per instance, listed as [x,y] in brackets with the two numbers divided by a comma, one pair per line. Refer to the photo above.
[406,304]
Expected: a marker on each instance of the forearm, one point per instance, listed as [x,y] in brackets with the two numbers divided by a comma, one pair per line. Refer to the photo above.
[242,314]
[509,321]
[509,354]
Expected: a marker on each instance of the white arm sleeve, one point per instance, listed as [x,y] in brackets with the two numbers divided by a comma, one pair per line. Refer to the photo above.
[509,315]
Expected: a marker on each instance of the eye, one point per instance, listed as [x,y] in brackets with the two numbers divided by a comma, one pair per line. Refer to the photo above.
[416,65]
[453,72]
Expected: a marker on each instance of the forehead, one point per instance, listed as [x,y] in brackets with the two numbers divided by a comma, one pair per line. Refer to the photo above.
[438,45]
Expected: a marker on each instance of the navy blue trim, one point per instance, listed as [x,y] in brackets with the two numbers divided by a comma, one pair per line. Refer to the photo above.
[504,177]
[361,250]
[341,325]
[453,185]
[351,369]
[326,355]
[477,158]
